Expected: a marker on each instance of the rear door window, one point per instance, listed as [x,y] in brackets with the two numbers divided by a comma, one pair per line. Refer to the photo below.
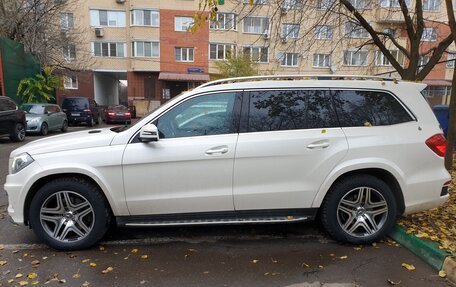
[290,110]
[369,108]
[76,103]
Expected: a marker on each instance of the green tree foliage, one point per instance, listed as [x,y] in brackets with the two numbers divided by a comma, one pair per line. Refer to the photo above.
[238,66]
[39,89]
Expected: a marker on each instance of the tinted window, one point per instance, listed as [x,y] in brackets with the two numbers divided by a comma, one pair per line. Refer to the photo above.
[7,105]
[75,103]
[369,108]
[290,110]
[203,115]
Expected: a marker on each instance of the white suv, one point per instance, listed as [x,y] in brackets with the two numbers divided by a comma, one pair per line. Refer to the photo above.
[355,152]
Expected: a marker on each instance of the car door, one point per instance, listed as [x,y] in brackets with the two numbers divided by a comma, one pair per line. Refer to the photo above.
[190,168]
[289,142]
[7,115]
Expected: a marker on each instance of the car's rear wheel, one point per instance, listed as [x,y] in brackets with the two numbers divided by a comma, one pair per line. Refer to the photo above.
[44,129]
[69,214]
[18,134]
[359,210]
[64,126]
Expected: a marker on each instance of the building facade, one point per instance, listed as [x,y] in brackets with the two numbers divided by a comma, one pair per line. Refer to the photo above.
[147,46]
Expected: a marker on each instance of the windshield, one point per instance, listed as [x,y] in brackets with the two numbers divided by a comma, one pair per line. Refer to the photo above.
[34,109]
[77,103]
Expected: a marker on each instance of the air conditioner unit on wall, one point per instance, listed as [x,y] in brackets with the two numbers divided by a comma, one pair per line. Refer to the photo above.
[120,1]
[99,32]
[266,35]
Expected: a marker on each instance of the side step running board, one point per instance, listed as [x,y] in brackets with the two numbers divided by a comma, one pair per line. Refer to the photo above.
[206,218]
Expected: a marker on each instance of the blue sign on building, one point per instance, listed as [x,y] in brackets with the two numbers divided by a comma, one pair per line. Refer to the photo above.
[195,70]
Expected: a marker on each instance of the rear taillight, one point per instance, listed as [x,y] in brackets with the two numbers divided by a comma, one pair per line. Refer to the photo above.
[437,143]
[127,114]
[87,111]
[111,114]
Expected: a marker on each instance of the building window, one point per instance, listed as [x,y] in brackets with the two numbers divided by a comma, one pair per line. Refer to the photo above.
[429,34]
[451,59]
[422,61]
[392,3]
[289,59]
[224,21]
[108,49]
[70,82]
[292,4]
[183,54]
[355,58]
[107,18]
[256,2]
[66,21]
[145,18]
[431,5]
[353,30]
[360,4]
[221,51]
[290,31]
[257,54]
[323,32]
[146,49]
[381,60]
[256,25]
[183,24]
[321,60]
[325,4]
[389,31]
[69,52]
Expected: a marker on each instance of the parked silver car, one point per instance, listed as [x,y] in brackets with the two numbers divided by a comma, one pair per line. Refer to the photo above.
[42,118]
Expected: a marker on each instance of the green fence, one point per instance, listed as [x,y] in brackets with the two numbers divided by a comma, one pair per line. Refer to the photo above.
[17,65]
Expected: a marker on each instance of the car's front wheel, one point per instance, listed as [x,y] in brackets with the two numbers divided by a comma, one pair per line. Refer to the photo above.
[18,134]
[64,126]
[44,129]
[69,214]
[359,210]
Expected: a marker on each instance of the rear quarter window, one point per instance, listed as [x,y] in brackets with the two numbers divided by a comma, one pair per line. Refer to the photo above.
[369,108]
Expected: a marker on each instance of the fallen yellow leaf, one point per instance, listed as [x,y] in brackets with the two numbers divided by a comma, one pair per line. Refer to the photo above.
[92,264]
[10,281]
[343,257]
[35,283]
[18,275]
[134,250]
[442,274]
[107,270]
[2,263]
[102,248]
[409,267]
[391,282]
[32,275]
[22,283]
[76,276]
[85,260]
[254,261]
[144,256]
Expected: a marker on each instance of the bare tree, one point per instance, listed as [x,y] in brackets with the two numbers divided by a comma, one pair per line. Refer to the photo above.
[47,31]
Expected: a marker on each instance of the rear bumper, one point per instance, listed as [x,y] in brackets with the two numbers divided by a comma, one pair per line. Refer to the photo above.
[79,119]
[118,119]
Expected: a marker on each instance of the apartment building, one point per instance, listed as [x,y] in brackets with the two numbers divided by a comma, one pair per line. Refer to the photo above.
[146,46]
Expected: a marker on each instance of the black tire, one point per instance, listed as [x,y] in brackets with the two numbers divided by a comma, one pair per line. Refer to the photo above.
[91,122]
[98,218]
[97,121]
[334,217]
[18,133]
[44,129]
[64,126]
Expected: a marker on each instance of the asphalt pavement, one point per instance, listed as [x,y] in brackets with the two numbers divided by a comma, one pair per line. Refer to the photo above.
[251,255]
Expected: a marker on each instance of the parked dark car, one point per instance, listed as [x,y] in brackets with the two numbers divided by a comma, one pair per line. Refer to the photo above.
[12,120]
[117,114]
[81,110]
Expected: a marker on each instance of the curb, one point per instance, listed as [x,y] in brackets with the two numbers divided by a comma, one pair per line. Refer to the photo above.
[427,251]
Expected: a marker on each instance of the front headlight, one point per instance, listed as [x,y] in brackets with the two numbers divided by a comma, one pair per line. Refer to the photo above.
[34,120]
[20,162]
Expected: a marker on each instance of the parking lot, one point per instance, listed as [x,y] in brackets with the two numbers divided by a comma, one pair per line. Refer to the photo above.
[261,255]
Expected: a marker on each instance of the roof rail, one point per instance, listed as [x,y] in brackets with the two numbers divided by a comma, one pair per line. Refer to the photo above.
[295,77]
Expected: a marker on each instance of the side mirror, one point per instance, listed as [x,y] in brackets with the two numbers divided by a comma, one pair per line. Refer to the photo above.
[148,133]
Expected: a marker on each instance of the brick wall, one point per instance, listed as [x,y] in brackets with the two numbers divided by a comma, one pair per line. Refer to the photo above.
[85,87]
[169,39]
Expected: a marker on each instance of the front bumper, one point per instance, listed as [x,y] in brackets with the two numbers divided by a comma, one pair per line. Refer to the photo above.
[17,186]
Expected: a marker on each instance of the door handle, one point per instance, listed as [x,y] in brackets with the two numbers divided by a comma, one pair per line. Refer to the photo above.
[216,150]
[319,144]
